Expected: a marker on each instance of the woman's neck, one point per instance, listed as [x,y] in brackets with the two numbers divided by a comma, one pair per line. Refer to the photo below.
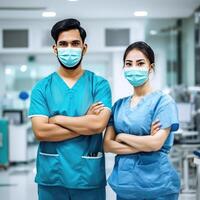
[143,90]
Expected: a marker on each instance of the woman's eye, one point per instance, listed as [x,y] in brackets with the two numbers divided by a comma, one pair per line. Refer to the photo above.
[140,64]
[128,64]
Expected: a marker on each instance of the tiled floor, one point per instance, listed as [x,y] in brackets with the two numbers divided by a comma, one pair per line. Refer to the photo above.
[18,183]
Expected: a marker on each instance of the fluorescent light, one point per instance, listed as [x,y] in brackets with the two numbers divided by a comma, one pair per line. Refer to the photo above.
[33,74]
[8,71]
[153,32]
[73,0]
[140,13]
[49,14]
[23,68]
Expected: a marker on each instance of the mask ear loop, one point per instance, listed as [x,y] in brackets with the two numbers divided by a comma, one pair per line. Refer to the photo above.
[151,70]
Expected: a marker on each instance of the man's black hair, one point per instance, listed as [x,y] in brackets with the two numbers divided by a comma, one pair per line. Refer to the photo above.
[65,25]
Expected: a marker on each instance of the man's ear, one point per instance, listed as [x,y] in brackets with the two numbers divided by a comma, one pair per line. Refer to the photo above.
[85,46]
[55,50]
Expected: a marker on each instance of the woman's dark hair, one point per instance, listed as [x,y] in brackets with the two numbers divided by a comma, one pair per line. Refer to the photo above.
[65,25]
[144,48]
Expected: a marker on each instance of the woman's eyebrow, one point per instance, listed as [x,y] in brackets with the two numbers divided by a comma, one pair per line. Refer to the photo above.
[129,61]
[140,60]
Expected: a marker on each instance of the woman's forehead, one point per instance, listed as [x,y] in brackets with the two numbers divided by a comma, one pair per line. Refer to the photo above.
[135,55]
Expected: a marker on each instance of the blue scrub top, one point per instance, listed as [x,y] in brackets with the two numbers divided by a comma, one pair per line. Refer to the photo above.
[145,175]
[66,163]
[137,120]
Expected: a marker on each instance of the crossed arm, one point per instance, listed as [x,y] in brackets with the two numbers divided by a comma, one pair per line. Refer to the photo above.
[127,144]
[61,128]
[113,146]
[84,125]
[45,131]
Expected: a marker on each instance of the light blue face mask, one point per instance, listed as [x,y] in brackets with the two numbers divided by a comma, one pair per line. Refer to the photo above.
[136,76]
[69,57]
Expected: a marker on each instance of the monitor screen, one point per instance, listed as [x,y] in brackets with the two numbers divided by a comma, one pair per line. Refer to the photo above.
[13,116]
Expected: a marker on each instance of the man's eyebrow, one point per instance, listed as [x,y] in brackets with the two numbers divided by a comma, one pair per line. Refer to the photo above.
[62,41]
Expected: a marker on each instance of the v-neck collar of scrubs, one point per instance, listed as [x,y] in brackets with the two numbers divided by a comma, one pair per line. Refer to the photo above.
[61,80]
[141,100]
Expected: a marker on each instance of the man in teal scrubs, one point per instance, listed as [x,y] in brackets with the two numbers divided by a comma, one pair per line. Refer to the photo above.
[69,110]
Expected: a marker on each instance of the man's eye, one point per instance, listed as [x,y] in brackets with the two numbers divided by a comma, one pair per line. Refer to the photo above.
[75,44]
[62,44]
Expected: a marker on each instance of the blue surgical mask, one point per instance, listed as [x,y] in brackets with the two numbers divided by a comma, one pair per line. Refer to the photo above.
[136,76]
[69,57]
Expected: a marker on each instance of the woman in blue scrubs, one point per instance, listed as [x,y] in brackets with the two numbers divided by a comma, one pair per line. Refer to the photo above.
[140,132]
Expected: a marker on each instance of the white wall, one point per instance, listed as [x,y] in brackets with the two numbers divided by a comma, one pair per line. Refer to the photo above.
[188,51]
[97,51]
[95,32]
[158,78]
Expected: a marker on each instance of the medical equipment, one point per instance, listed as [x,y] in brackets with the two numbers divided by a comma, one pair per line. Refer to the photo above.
[15,116]
[4,157]
[22,143]
[197,162]
[185,115]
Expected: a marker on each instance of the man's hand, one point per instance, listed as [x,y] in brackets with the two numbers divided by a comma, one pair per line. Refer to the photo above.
[95,108]
[53,120]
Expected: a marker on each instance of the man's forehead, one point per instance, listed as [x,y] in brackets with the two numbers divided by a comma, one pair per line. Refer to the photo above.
[70,35]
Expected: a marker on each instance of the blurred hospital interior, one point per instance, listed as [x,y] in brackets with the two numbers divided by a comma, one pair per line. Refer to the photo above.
[170,27]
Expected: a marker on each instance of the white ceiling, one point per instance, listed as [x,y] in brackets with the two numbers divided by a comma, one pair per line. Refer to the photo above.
[93,9]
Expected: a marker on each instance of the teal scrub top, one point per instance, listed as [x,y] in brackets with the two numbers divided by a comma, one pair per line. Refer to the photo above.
[67,163]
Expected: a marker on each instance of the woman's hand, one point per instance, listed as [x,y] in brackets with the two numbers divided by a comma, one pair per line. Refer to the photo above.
[155,127]
[119,137]
[95,108]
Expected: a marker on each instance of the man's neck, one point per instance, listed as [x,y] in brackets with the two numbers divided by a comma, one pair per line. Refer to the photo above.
[69,73]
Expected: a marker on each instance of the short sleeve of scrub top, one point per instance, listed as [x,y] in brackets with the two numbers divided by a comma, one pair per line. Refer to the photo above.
[38,106]
[102,92]
[111,120]
[166,112]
